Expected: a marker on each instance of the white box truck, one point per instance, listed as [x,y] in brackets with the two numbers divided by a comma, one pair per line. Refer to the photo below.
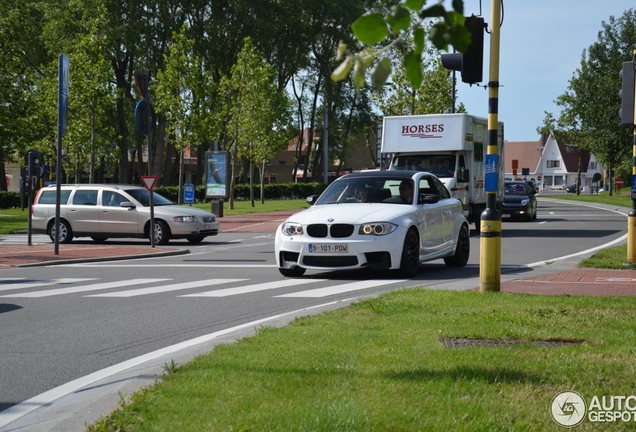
[451,146]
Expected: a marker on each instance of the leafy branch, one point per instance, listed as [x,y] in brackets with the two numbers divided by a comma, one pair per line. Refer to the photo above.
[405,21]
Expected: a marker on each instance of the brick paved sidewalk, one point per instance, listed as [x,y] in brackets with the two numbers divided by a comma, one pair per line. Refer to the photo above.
[579,281]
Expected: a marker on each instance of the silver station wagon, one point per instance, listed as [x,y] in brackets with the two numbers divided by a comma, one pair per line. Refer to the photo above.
[103,211]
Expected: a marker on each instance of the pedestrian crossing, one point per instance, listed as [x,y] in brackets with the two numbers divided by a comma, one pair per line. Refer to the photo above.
[89,287]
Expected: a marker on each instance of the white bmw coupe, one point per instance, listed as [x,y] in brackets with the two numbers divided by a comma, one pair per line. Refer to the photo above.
[378,220]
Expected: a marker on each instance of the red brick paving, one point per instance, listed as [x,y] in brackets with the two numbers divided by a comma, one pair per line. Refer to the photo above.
[589,282]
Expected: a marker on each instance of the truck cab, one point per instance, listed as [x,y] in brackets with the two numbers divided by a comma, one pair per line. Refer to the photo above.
[451,146]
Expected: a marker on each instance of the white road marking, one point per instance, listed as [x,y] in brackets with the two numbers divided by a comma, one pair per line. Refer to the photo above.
[44,282]
[254,288]
[16,411]
[84,288]
[339,289]
[594,249]
[167,288]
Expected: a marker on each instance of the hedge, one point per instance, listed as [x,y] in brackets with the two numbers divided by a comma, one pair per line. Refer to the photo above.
[273,191]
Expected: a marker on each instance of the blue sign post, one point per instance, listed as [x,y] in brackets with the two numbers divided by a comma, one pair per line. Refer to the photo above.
[491,181]
[188,193]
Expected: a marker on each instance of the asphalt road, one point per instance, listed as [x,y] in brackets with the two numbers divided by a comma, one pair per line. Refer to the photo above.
[60,324]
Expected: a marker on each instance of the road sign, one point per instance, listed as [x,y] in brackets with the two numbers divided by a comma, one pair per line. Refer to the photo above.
[143,120]
[62,100]
[149,182]
[188,193]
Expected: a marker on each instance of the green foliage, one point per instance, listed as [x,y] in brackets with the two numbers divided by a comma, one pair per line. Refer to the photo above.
[9,200]
[273,191]
[591,102]
[405,21]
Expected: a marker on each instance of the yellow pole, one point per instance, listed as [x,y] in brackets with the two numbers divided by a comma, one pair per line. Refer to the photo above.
[631,218]
[490,225]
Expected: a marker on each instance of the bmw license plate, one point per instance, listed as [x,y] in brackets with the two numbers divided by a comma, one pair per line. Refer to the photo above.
[333,248]
[505,215]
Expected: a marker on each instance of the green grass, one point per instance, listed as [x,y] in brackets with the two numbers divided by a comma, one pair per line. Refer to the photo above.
[13,220]
[609,258]
[380,365]
[245,207]
[622,199]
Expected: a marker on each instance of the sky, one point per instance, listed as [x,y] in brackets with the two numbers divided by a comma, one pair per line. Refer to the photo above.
[541,43]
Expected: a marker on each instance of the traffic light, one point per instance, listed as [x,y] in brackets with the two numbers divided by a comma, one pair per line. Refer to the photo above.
[627,93]
[471,62]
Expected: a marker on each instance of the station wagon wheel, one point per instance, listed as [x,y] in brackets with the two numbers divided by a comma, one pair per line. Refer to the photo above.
[462,250]
[410,261]
[66,233]
[292,272]
[162,233]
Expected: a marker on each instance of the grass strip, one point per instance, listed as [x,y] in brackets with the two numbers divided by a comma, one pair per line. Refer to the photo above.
[379,365]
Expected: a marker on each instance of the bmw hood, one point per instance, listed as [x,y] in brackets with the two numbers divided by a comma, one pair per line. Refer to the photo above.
[351,213]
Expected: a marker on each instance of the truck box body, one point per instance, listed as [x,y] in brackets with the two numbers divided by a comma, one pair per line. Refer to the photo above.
[451,146]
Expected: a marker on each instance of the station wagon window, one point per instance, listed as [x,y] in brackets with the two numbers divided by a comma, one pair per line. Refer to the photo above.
[85,197]
[112,199]
[48,196]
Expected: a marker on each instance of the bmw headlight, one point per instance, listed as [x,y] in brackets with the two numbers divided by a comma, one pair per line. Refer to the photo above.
[525,202]
[185,219]
[377,228]
[291,229]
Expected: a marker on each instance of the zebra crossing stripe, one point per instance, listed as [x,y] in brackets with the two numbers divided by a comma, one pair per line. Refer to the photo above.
[339,289]
[254,288]
[167,288]
[28,283]
[84,288]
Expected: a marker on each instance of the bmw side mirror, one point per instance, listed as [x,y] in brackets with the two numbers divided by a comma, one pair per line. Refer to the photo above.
[427,198]
[311,199]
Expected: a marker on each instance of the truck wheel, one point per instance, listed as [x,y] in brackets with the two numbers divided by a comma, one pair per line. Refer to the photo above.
[478,226]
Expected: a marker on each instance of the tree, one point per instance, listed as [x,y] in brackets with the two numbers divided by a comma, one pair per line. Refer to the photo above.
[593,90]
[22,54]
[434,95]
[254,108]
[175,97]
[403,21]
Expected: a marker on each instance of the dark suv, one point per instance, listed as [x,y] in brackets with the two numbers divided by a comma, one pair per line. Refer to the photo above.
[519,201]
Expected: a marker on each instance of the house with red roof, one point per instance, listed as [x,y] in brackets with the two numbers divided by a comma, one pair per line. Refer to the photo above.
[552,165]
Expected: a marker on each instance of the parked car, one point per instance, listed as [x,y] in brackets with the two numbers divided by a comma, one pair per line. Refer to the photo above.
[407,218]
[103,211]
[519,201]
[572,188]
